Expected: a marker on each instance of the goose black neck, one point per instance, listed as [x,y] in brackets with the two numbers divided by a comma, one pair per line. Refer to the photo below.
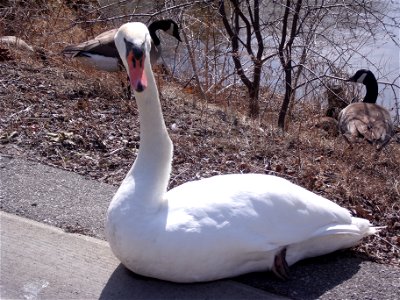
[156,25]
[372,91]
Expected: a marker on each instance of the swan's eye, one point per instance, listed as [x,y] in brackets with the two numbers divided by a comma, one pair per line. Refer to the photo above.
[138,51]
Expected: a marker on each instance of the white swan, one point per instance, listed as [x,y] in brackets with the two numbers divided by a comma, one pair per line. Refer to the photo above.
[213,228]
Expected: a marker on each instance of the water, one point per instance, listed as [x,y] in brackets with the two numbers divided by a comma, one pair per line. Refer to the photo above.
[382,57]
[386,55]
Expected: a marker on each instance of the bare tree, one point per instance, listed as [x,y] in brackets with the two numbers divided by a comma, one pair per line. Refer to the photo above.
[233,25]
[302,32]
[285,54]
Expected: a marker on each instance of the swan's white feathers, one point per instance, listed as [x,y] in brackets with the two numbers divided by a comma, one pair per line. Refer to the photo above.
[254,205]
[216,227]
[231,223]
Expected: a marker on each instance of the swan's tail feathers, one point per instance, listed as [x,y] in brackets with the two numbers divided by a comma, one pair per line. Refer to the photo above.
[365,227]
[331,238]
[358,228]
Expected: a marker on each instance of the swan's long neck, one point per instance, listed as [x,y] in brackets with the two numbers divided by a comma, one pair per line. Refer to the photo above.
[151,170]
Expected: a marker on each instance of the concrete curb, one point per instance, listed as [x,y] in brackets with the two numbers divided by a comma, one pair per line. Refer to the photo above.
[39,261]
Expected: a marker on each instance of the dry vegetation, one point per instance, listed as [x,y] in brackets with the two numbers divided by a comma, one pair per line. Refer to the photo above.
[61,114]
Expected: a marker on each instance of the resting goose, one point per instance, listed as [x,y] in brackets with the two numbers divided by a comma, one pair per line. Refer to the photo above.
[212,228]
[366,119]
[15,42]
[102,54]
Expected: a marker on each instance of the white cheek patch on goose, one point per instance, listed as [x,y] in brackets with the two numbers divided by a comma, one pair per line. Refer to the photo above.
[170,30]
[361,78]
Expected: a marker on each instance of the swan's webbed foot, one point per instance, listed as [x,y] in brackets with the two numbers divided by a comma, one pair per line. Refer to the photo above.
[280,267]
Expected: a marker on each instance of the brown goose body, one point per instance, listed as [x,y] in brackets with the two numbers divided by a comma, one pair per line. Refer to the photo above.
[99,52]
[102,54]
[15,42]
[366,120]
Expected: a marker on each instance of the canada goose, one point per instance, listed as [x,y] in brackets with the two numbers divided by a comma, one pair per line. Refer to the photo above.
[217,227]
[366,120]
[102,54]
[15,42]
[328,123]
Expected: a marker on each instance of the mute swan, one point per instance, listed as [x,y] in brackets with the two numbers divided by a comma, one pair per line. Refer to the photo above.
[102,54]
[366,119]
[217,227]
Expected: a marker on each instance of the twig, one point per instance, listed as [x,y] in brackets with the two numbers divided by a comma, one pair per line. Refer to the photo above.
[20,112]
[151,15]
[387,242]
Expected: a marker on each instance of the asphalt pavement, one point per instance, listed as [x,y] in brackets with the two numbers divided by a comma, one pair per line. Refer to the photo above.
[43,262]
[52,247]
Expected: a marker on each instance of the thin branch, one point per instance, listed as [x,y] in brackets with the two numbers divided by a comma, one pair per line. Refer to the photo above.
[151,15]
[235,45]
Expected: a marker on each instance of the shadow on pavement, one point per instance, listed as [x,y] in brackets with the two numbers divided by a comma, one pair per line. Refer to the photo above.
[310,278]
[124,284]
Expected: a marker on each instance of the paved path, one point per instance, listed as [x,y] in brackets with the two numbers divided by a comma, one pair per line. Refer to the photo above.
[41,260]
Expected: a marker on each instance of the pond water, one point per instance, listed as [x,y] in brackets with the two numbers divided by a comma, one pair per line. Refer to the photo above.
[382,57]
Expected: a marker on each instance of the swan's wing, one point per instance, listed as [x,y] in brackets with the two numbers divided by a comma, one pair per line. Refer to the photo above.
[261,211]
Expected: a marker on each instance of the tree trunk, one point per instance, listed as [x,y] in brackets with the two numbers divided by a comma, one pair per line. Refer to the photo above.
[254,91]
[254,107]
[288,95]
[251,25]
[285,55]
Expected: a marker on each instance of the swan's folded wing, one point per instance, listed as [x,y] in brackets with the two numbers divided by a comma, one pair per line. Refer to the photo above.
[261,211]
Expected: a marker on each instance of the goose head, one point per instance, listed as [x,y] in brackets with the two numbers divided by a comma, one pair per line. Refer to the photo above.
[133,43]
[173,30]
[363,76]
[367,78]
[168,26]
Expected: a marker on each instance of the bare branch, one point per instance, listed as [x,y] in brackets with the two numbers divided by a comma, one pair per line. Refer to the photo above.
[150,15]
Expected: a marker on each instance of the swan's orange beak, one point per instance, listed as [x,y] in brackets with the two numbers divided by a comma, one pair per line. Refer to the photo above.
[137,75]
